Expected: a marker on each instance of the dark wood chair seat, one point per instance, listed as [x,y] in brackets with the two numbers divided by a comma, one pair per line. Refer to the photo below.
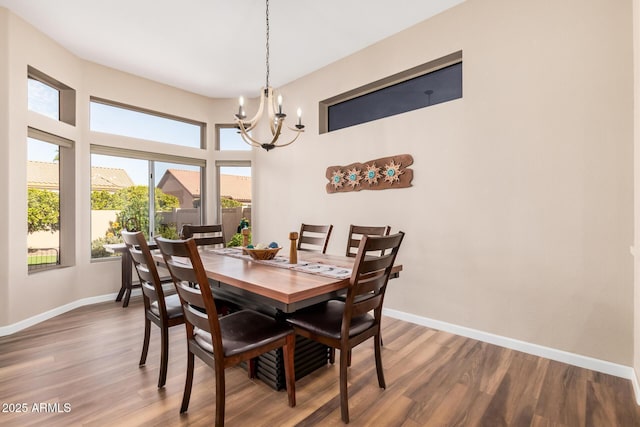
[243,331]
[344,325]
[326,319]
[172,304]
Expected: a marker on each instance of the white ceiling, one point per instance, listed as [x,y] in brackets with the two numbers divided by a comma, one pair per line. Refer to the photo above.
[217,47]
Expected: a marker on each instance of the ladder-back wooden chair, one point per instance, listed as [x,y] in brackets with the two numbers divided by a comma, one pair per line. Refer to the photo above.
[346,324]
[226,341]
[314,237]
[160,309]
[204,235]
[357,231]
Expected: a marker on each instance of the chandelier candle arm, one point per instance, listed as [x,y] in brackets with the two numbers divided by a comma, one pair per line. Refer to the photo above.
[274,113]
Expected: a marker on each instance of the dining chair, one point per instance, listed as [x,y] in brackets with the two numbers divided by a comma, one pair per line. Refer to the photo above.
[353,242]
[357,231]
[226,341]
[204,235]
[343,325]
[162,310]
[314,237]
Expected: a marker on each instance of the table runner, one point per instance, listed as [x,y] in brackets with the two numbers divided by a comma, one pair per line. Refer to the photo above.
[325,270]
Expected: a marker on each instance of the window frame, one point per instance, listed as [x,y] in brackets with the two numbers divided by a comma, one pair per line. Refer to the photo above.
[67,200]
[116,104]
[403,76]
[66,98]
[152,158]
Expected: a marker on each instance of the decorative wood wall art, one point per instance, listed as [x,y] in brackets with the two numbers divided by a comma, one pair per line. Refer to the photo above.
[378,174]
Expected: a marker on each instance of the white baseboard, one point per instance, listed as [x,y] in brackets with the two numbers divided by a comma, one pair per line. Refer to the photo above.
[586,362]
[636,387]
[23,324]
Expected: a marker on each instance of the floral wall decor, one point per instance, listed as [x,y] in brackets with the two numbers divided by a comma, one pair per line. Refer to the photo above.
[378,174]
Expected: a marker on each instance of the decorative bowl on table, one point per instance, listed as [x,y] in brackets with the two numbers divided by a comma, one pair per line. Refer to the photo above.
[260,252]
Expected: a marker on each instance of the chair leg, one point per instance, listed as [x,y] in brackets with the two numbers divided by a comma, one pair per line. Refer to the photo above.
[344,398]
[164,355]
[187,383]
[332,355]
[145,342]
[251,368]
[219,395]
[377,343]
[288,352]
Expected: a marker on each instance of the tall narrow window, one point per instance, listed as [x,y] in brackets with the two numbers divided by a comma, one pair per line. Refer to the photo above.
[234,180]
[179,197]
[50,205]
[50,175]
[43,210]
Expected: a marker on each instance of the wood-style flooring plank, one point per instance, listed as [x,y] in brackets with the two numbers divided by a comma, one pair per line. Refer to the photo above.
[88,359]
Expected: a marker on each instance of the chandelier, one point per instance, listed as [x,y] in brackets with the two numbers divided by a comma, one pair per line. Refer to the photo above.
[274,113]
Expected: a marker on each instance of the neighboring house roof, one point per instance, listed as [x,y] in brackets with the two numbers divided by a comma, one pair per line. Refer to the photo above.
[232,186]
[46,175]
[190,180]
[236,187]
[109,179]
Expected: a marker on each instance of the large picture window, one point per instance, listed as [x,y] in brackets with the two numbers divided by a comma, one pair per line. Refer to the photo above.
[146,191]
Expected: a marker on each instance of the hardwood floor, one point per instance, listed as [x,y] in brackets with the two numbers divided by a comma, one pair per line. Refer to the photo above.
[87,359]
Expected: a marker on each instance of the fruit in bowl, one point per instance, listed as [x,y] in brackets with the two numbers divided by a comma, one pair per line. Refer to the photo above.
[261,251]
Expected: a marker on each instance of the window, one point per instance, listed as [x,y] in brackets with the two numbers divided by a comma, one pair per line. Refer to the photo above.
[50,176]
[150,192]
[120,119]
[50,209]
[43,99]
[428,84]
[49,97]
[228,139]
[234,189]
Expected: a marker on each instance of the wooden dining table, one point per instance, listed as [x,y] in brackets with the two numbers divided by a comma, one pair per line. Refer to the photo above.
[274,289]
[278,291]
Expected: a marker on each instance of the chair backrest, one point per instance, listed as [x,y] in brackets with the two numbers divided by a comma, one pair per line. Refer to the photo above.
[204,234]
[314,237]
[198,305]
[357,231]
[369,278]
[146,268]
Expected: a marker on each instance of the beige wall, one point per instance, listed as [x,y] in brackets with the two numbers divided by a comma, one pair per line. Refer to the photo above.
[520,217]
[4,165]
[22,295]
[636,68]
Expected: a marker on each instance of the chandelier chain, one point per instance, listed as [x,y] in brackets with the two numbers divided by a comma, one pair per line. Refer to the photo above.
[267,45]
